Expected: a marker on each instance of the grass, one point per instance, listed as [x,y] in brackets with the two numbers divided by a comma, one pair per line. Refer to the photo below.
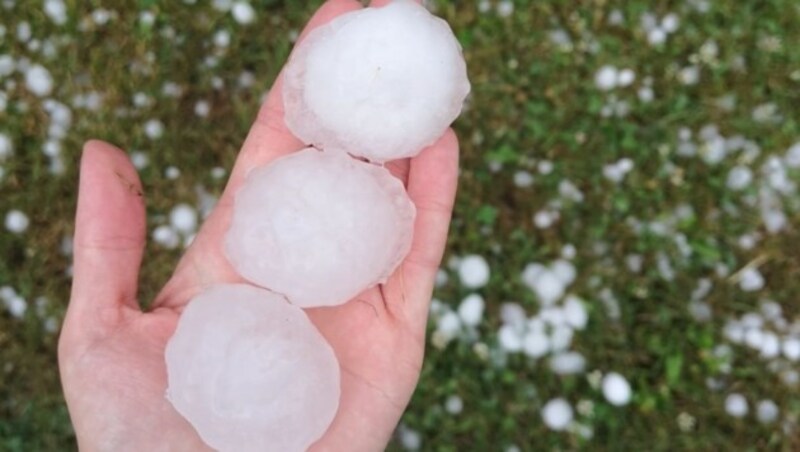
[533,100]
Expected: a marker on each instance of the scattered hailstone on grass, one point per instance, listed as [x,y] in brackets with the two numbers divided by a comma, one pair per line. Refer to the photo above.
[56,10]
[736,405]
[767,411]
[154,129]
[243,12]
[380,83]
[606,78]
[473,271]
[6,147]
[791,348]
[570,363]
[510,339]
[557,414]
[739,177]
[616,389]
[319,227]
[751,280]
[38,80]
[250,372]
[471,310]
[166,236]
[454,405]
[16,221]
[183,218]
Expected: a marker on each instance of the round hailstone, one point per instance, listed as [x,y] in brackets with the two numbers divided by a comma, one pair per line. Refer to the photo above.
[616,389]
[736,405]
[557,414]
[250,372]
[471,310]
[380,83]
[183,218]
[767,411]
[473,271]
[16,221]
[319,227]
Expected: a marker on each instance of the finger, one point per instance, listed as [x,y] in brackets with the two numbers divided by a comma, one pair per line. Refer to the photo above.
[109,237]
[432,183]
[205,263]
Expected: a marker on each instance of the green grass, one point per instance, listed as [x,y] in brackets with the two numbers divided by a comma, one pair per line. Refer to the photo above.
[531,101]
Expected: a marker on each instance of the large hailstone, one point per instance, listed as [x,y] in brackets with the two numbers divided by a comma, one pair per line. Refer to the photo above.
[319,227]
[380,83]
[250,372]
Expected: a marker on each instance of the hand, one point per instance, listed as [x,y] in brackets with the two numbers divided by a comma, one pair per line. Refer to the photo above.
[111,354]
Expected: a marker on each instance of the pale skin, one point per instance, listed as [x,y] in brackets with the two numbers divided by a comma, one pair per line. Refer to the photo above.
[111,353]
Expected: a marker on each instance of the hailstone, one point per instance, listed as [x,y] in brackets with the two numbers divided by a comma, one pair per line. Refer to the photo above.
[319,227]
[250,372]
[379,83]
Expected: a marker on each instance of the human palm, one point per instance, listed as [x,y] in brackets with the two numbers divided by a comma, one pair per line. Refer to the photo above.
[111,353]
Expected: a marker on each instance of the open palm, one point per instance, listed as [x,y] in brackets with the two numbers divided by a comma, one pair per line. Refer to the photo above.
[111,354]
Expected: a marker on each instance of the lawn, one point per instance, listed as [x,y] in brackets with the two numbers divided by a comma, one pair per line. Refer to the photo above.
[633,161]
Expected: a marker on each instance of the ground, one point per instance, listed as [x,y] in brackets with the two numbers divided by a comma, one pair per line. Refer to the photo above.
[648,147]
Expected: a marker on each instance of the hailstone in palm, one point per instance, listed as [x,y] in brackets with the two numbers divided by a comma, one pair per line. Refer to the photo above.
[319,227]
[380,83]
[250,372]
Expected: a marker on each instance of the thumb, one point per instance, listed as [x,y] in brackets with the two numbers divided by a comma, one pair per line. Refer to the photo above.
[109,239]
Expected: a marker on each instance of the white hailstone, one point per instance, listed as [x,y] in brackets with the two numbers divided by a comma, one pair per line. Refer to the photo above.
[751,280]
[473,271]
[535,344]
[616,389]
[670,23]
[471,310]
[700,311]
[689,75]
[218,172]
[513,314]
[739,177]
[147,18]
[557,414]
[543,219]
[505,8]
[202,108]
[16,221]
[510,338]
[449,325]
[409,439]
[570,363]
[484,6]
[791,348]
[767,411]
[7,65]
[172,172]
[754,338]
[454,405]
[791,159]
[6,147]
[575,312]
[564,270]
[656,36]
[140,160]
[247,369]
[38,80]
[222,38]
[561,338]
[552,316]
[606,78]
[101,16]
[625,77]
[166,236]
[141,100]
[56,10]
[646,94]
[243,12]
[24,31]
[16,306]
[545,283]
[154,129]
[319,227]
[183,218]
[770,345]
[568,251]
[380,83]
[736,405]
[545,167]
[523,179]
[222,6]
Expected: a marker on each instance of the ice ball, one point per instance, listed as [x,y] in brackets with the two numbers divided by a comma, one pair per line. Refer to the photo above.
[380,83]
[319,227]
[250,372]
